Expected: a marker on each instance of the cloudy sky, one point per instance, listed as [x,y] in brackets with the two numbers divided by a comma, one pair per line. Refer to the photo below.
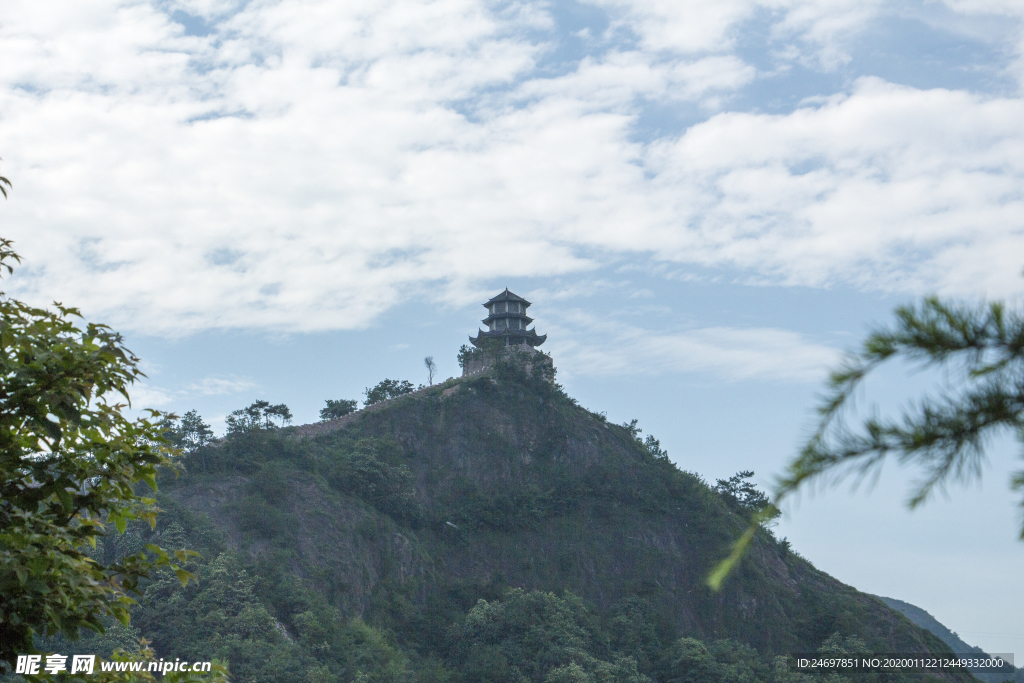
[706,200]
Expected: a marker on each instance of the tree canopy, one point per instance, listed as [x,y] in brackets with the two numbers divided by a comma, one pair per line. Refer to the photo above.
[388,389]
[259,415]
[189,433]
[743,496]
[336,409]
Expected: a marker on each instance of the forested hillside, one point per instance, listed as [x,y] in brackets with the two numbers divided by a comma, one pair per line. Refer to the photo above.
[486,529]
[927,621]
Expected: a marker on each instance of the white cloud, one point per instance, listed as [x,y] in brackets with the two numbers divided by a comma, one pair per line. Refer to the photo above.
[697,26]
[891,187]
[732,353]
[218,386]
[617,79]
[311,164]
[207,9]
[686,27]
[825,25]
[145,396]
[996,16]
[818,34]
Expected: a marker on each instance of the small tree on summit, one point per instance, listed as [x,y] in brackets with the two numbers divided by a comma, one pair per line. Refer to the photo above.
[259,415]
[336,409]
[245,420]
[388,389]
[431,368]
[280,412]
[466,354]
[743,495]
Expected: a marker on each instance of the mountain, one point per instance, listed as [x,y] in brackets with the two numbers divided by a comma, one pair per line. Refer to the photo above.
[484,529]
[950,638]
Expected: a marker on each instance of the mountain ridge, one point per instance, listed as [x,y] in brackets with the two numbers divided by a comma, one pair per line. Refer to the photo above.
[926,621]
[485,529]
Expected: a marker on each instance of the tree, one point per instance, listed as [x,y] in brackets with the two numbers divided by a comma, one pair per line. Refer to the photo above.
[69,462]
[489,351]
[981,351]
[431,369]
[258,416]
[466,354]
[538,637]
[190,433]
[364,472]
[743,495]
[280,412]
[216,615]
[388,389]
[723,661]
[246,420]
[336,409]
[650,444]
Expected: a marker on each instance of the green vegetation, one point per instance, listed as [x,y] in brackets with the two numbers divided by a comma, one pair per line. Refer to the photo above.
[467,353]
[258,416]
[482,530]
[981,352]
[485,529]
[945,434]
[927,621]
[336,409]
[489,350]
[388,389]
[188,433]
[745,499]
[70,466]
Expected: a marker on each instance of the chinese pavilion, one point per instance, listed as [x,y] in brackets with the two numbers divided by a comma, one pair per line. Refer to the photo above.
[506,322]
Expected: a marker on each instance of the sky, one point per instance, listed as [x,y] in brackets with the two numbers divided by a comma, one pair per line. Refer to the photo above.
[707,201]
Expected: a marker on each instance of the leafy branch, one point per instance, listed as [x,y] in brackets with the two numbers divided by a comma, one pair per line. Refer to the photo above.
[982,350]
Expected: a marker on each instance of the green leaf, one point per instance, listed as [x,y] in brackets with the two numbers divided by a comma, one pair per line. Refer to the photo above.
[183,576]
[66,501]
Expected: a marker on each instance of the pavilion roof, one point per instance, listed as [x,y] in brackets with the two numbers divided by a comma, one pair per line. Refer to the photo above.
[531,336]
[506,296]
[503,316]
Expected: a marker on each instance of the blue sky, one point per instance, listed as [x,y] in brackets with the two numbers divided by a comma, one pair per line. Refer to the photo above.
[707,202]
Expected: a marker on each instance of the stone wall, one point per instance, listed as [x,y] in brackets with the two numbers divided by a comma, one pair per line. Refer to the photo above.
[483,362]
